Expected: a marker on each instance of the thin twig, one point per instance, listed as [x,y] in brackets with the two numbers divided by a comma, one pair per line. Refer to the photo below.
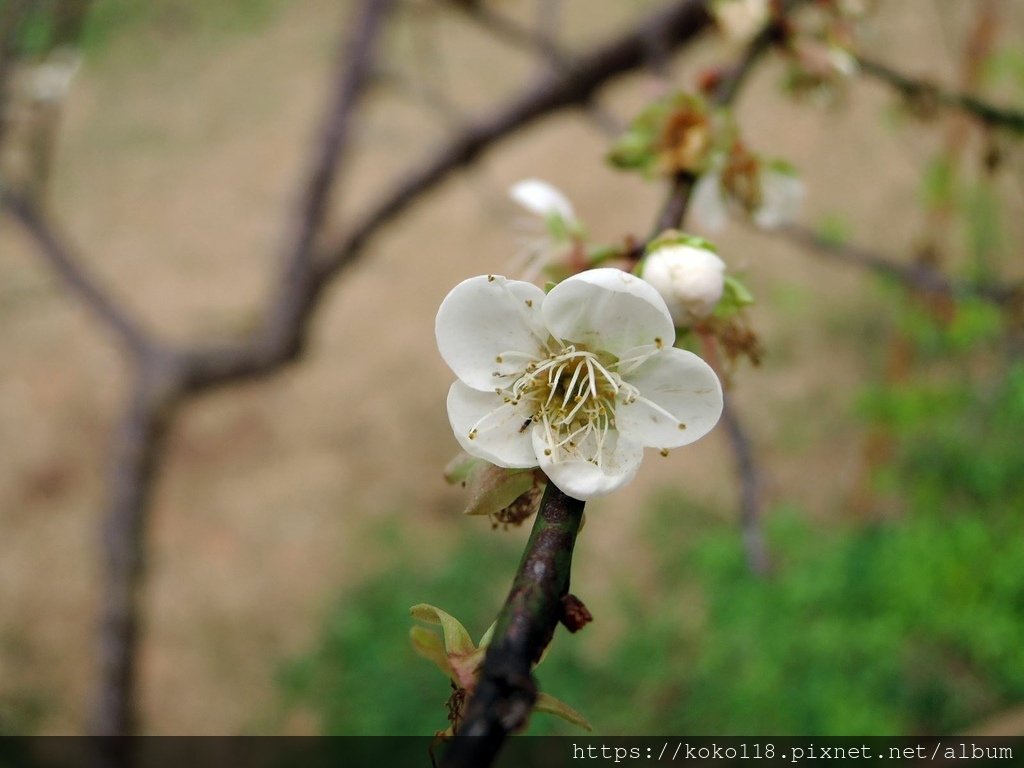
[926,93]
[128,329]
[920,277]
[750,491]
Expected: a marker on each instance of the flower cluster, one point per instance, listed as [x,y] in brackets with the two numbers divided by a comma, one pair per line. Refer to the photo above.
[577,381]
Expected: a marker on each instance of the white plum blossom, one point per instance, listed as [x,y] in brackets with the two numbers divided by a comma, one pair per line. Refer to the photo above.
[689,278]
[577,382]
[782,195]
[769,193]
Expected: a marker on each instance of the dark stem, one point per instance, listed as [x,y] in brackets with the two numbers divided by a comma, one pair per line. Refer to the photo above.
[929,93]
[506,691]
[69,267]
[750,491]
[919,277]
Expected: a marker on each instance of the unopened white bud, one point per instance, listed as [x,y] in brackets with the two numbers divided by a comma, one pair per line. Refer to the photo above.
[690,280]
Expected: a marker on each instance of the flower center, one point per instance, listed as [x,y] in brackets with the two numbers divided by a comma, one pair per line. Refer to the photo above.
[572,395]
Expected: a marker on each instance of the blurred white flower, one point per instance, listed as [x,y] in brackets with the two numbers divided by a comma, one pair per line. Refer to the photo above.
[771,194]
[562,231]
[740,20]
[689,278]
[577,381]
[782,195]
[544,200]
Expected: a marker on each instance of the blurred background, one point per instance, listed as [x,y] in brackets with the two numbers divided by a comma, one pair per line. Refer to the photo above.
[297,518]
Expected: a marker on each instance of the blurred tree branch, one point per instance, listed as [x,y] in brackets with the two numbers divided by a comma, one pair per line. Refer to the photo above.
[919,277]
[127,328]
[928,95]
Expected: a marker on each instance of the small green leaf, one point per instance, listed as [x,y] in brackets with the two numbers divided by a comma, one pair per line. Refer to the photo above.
[456,638]
[485,639]
[428,645]
[553,706]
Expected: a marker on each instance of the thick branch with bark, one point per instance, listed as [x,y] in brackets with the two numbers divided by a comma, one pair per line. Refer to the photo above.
[506,692]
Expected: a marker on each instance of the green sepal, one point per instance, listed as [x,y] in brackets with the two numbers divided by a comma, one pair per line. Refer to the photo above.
[674,237]
[735,296]
[551,705]
[601,254]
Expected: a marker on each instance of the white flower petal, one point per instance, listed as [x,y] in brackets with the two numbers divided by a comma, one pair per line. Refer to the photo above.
[499,435]
[782,194]
[543,199]
[584,480]
[608,310]
[676,387]
[484,318]
[707,204]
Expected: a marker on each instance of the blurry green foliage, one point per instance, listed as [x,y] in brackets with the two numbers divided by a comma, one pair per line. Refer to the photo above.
[937,186]
[364,677]
[913,625]
[1006,65]
[41,29]
[834,229]
[111,17]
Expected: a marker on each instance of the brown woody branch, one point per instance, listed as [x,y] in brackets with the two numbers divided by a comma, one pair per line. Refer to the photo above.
[127,328]
[926,94]
[750,491]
